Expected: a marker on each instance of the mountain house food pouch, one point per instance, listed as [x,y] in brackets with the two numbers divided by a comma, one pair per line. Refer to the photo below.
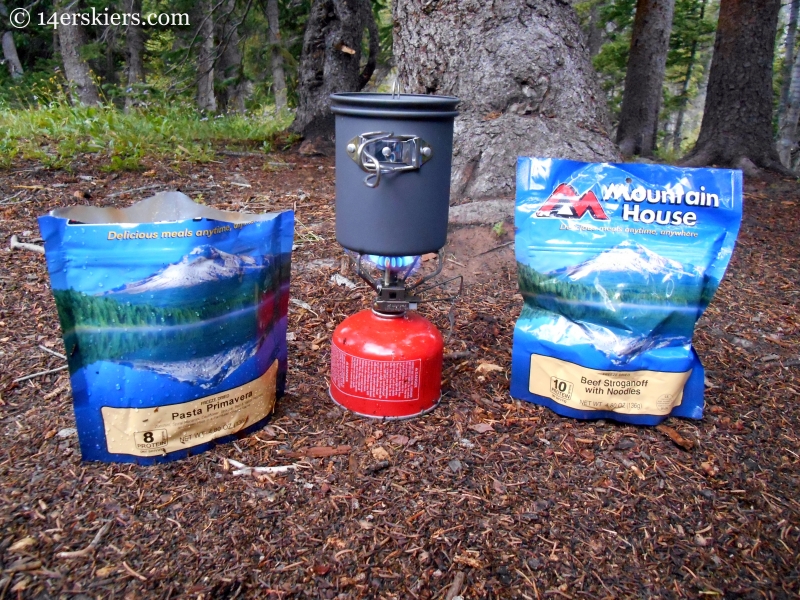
[174,322]
[616,263]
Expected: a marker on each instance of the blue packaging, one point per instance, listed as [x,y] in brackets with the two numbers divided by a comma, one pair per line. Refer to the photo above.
[174,320]
[616,263]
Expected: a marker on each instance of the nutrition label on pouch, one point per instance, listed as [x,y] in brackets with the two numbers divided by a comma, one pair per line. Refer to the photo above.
[629,392]
[162,429]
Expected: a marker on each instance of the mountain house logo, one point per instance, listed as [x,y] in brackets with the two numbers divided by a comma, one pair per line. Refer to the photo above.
[565,203]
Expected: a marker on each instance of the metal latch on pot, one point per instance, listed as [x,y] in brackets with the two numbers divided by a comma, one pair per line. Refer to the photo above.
[379,152]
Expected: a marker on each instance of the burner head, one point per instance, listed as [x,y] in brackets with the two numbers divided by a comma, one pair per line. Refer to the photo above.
[395,264]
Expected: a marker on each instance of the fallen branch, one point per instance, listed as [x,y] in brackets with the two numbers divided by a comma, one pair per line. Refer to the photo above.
[32,375]
[92,545]
[15,243]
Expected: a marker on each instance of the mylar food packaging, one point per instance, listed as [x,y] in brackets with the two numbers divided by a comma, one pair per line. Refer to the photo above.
[616,263]
[174,320]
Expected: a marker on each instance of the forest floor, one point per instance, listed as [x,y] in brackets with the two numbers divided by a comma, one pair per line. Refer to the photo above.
[484,497]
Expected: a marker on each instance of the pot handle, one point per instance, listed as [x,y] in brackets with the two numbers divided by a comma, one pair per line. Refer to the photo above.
[398,153]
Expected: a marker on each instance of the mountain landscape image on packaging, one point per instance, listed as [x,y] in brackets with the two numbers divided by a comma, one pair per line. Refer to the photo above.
[197,319]
[627,287]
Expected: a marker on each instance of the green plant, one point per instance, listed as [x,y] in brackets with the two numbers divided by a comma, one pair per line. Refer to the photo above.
[57,133]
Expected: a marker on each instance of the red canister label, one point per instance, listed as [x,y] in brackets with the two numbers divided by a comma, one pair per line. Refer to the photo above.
[374,379]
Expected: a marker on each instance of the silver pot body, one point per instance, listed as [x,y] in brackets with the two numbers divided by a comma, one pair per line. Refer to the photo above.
[393,163]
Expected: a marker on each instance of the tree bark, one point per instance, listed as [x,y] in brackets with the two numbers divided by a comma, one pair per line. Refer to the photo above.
[524,78]
[644,77]
[787,142]
[228,71]
[677,134]
[10,55]
[206,101]
[330,61]
[71,39]
[9,47]
[737,120]
[788,61]
[276,56]
[134,53]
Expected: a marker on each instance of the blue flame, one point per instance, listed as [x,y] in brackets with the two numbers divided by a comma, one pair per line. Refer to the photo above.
[394,263]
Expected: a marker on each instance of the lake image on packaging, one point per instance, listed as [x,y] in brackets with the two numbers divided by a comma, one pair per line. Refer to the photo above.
[616,263]
[172,342]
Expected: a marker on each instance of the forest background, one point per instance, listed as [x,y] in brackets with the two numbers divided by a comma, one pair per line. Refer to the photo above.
[227,74]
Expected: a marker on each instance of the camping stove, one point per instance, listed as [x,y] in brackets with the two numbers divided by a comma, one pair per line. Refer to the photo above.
[386,362]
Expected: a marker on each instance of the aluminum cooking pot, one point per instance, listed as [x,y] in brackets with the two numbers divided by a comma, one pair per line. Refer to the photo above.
[393,159]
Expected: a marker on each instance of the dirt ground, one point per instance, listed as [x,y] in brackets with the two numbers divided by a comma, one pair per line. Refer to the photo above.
[485,497]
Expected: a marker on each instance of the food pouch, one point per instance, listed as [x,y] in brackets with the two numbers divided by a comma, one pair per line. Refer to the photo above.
[616,262]
[174,321]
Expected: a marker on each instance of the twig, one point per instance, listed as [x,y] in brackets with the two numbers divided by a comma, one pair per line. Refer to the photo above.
[493,249]
[132,572]
[8,200]
[140,189]
[92,545]
[15,243]
[240,154]
[455,587]
[32,375]
[53,352]
[243,469]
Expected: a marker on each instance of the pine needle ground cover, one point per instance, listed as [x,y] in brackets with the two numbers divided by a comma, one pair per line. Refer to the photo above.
[484,497]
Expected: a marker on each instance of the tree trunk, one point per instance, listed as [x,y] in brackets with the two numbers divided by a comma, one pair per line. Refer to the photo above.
[206,101]
[10,55]
[276,55]
[9,47]
[644,77]
[524,78]
[737,120]
[330,61]
[228,71]
[71,39]
[594,30]
[677,135]
[788,61]
[134,53]
[787,142]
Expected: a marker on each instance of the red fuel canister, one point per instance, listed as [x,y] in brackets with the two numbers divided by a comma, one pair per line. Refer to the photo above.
[386,366]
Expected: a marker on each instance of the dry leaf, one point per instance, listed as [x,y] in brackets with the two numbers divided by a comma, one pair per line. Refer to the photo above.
[105,571]
[380,453]
[398,440]
[676,437]
[481,427]
[320,451]
[487,368]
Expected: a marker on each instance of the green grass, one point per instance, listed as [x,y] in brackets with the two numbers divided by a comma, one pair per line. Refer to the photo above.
[56,133]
